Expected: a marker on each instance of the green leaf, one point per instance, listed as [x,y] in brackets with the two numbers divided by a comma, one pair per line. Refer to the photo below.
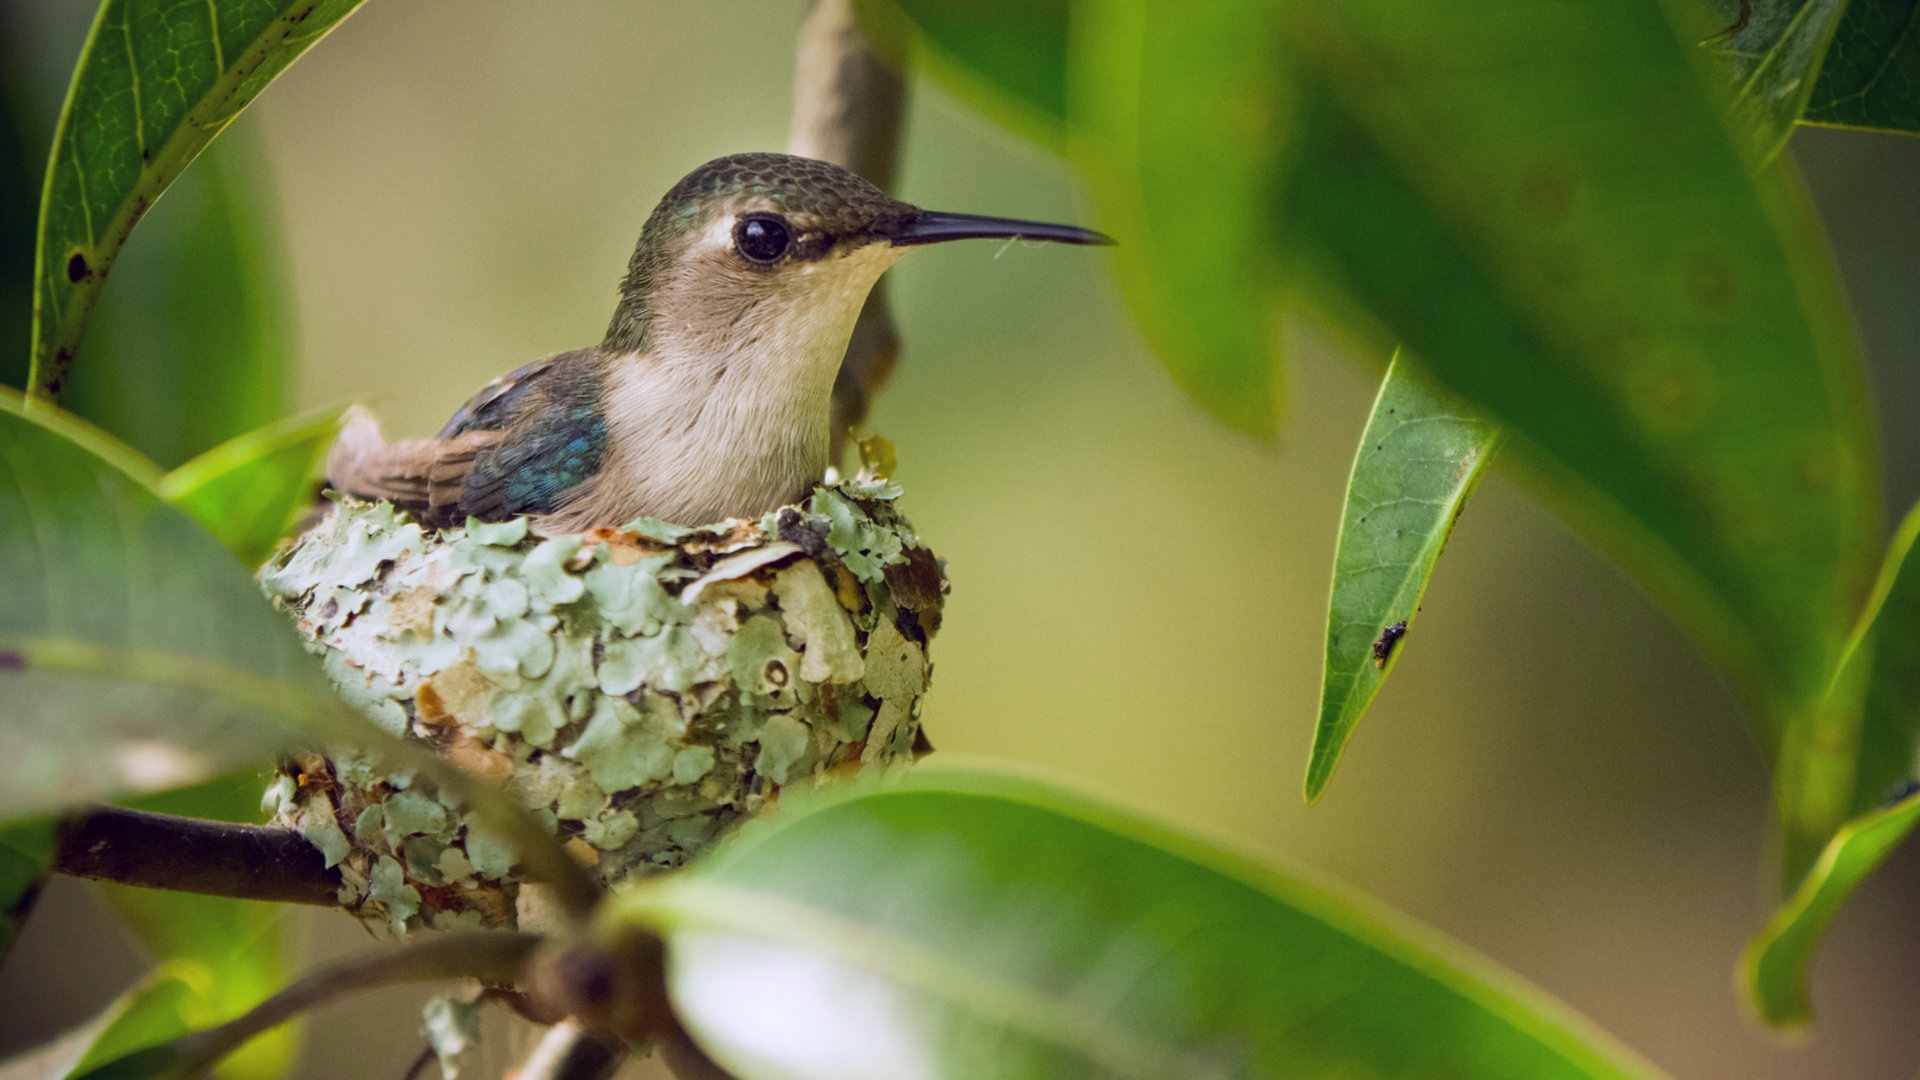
[155,83]
[1774,968]
[1871,78]
[154,1011]
[1776,58]
[1846,757]
[250,490]
[1180,180]
[62,1056]
[191,345]
[1565,232]
[26,855]
[1027,90]
[967,925]
[1421,457]
[224,954]
[135,653]
[1181,112]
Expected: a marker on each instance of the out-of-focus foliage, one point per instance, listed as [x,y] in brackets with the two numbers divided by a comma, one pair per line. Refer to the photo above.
[1665,343]
[249,490]
[192,346]
[155,83]
[967,925]
[1420,459]
[1774,969]
[1166,161]
[217,957]
[129,622]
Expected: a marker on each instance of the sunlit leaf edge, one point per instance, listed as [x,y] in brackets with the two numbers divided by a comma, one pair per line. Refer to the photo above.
[1773,969]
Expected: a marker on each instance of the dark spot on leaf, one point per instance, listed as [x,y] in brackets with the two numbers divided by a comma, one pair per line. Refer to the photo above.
[1547,191]
[1904,788]
[77,268]
[775,674]
[1389,640]
[1710,281]
[10,660]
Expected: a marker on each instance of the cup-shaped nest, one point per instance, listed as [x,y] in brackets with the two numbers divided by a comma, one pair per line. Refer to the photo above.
[639,690]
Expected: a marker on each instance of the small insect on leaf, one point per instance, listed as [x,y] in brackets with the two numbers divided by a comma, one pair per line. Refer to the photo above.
[1388,640]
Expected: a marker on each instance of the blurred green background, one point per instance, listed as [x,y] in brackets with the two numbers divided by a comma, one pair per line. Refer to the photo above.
[1554,776]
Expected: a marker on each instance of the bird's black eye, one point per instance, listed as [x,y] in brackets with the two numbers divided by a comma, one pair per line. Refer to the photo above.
[762,238]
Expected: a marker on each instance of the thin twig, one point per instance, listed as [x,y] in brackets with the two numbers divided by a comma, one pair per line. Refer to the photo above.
[216,858]
[847,109]
[488,955]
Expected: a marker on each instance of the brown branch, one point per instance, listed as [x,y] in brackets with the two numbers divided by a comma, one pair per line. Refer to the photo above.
[216,858]
[847,109]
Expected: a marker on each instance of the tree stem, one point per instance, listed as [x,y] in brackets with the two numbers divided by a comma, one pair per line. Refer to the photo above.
[847,109]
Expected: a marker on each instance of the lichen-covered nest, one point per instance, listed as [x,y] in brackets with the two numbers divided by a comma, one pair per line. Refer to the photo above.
[639,689]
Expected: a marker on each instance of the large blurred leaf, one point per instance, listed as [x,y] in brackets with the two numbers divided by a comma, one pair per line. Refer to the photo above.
[1179,109]
[155,1010]
[1421,457]
[1027,87]
[1562,227]
[961,925]
[249,490]
[1167,144]
[135,653]
[1871,78]
[1774,968]
[1776,53]
[1847,756]
[223,955]
[156,81]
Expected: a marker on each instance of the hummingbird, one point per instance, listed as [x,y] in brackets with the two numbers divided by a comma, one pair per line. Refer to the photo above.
[710,396]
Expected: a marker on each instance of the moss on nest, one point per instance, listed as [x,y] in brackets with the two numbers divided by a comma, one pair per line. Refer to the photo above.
[639,689]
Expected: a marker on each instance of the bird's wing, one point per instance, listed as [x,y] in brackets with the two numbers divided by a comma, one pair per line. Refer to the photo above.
[422,475]
[519,446]
[492,408]
[552,438]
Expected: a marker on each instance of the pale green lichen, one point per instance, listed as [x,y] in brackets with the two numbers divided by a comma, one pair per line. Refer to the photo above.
[639,690]
[452,1027]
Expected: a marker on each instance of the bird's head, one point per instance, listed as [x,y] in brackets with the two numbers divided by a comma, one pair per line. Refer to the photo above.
[771,256]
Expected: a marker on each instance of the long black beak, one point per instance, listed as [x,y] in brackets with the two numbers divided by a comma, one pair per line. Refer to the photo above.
[933,227]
